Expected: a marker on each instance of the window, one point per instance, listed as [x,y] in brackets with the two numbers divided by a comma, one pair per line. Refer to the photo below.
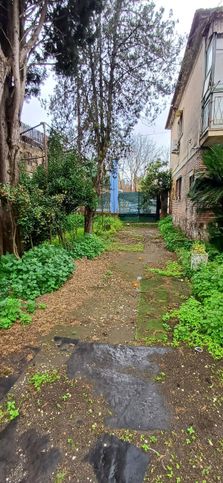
[178,188]
[180,126]
[191,179]
[208,67]
[218,71]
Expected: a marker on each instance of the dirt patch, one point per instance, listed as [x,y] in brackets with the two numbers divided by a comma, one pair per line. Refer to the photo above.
[60,305]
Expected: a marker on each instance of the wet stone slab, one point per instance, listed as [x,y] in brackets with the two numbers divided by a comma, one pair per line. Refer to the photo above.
[26,458]
[116,461]
[125,377]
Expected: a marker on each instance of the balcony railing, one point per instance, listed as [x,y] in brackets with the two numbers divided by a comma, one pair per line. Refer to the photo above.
[32,134]
[212,112]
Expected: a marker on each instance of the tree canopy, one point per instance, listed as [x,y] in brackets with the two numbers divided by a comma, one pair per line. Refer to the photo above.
[157,184]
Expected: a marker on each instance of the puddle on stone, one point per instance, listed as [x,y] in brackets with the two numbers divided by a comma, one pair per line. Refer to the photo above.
[28,458]
[116,461]
[124,376]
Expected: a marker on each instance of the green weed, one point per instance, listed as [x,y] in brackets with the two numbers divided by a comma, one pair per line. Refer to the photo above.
[41,378]
[8,411]
[172,269]
[161,377]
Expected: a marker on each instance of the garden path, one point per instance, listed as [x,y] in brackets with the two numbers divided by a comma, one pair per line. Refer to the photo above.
[120,410]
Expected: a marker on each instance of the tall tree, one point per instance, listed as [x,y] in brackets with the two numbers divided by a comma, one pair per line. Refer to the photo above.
[142,151]
[157,184]
[129,64]
[26,33]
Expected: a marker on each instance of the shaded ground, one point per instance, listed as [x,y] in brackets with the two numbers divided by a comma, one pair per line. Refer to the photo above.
[111,405]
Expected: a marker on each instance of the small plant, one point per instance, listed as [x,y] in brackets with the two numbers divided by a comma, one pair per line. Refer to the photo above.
[127,436]
[161,377]
[41,378]
[8,411]
[66,396]
[192,435]
[60,477]
[198,247]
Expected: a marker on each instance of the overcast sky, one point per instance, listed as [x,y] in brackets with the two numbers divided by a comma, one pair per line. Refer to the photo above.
[33,113]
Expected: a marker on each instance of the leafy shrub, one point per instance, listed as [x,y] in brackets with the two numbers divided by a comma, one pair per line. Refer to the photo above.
[12,309]
[208,279]
[107,225]
[89,246]
[200,324]
[42,269]
[200,317]
[73,222]
[174,237]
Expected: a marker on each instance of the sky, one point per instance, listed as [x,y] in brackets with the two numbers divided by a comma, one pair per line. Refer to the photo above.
[33,113]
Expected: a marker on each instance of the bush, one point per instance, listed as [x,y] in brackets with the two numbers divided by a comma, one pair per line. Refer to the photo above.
[174,237]
[107,225]
[200,324]
[208,279]
[200,317]
[42,269]
[89,246]
[12,309]
[73,222]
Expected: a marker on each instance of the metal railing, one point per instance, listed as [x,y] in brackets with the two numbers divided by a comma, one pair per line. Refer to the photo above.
[32,133]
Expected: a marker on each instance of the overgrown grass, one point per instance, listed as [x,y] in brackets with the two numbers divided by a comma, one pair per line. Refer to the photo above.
[199,319]
[174,237]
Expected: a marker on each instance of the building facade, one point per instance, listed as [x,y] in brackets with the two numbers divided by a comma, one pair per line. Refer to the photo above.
[33,146]
[196,115]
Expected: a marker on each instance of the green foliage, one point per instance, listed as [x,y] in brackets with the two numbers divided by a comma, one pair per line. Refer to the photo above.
[200,317]
[161,377]
[200,323]
[172,269]
[89,246]
[73,222]
[8,411]
[42,202]
[107,225]
[208,279]
[207,190]
[12,309]
[41,378]
[157,179]
[42,269]
[174,238]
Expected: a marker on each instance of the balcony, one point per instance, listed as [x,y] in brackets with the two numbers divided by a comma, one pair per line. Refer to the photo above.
[212,120]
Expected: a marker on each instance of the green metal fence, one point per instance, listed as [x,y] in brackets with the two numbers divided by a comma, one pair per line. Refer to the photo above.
[131,206]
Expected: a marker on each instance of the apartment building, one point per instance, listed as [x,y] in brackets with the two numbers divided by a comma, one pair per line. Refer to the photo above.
[196,115]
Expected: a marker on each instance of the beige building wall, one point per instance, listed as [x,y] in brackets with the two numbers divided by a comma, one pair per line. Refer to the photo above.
[190,106]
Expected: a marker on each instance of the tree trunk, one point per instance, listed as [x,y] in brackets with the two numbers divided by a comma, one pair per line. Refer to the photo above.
[88,220]
[10,241]
[158,207]
[164,203]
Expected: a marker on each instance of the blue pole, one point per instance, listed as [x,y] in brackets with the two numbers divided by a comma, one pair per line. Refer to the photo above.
[114,188]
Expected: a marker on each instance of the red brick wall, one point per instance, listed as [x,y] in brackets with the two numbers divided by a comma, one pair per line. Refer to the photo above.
[184,213]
